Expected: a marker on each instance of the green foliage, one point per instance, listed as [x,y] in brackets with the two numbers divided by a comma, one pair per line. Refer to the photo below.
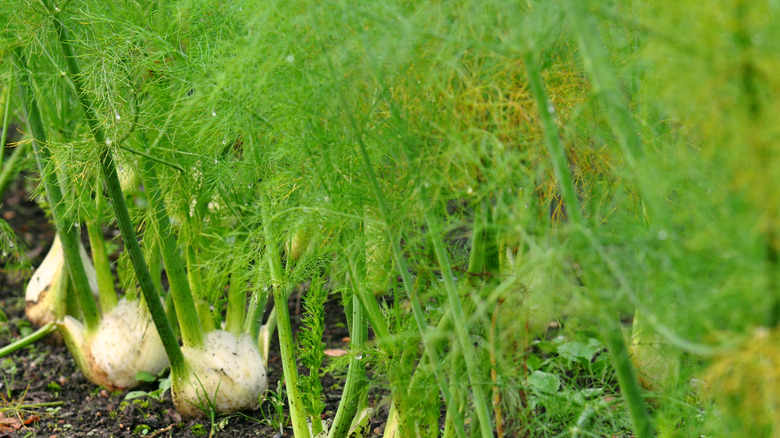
[164,384]
[310,347]
[276,416]
[614,156]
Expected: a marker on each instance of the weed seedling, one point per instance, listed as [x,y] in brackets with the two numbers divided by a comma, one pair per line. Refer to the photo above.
[275,417]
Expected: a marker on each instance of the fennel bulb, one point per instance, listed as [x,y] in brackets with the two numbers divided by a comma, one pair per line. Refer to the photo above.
[125,343]
[47,290]
[226,374]
[657,363]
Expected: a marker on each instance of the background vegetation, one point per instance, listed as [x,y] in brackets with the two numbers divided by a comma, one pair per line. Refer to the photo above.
[460,175]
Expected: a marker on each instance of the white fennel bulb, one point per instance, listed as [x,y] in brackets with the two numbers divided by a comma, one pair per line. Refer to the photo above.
[124,344]
[46,292]
[226,373]
[657,363]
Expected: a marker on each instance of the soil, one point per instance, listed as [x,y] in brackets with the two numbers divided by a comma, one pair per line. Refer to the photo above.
[43,393]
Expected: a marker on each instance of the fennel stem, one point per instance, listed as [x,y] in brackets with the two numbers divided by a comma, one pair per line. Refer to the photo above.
[355,385]
[236,303]
[461,324]
[64,222]
[615,343]
[286,348]
[105,280]
[400,262]
[108,169]
[192,331]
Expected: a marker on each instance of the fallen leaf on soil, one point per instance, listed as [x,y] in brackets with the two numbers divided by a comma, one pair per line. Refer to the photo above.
[31,419]
[336,352]
[9,424]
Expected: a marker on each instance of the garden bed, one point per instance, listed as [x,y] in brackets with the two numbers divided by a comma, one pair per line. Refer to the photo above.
[45,395]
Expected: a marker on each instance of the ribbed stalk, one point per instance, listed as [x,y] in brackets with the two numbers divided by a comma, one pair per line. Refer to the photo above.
[192,332]
[383,339]
[286,347]
[400,262]
[65,223]
[105,280]
[355,385]
[196,288]
[236,305]
[120,208]
[629,386]
[461,324]
[255,311]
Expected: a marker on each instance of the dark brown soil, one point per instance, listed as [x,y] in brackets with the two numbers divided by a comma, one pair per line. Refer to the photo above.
[43,394]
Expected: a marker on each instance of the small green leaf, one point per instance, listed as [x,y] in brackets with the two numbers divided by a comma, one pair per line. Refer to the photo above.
[534,362]
[143,376]
[544,382]
[591,392]
[577,351]
[135,394]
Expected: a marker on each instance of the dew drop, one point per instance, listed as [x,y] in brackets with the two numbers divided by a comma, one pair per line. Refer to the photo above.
[663,235]
[290,59]
[213,114]
[550,108]
[118,117]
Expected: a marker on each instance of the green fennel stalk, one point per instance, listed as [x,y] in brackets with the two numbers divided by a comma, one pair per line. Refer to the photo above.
[355,385]
[64,219]
[460,322]
[614,340]
[105,280]
[286,348]
[191,330]
[400,262]
[108,170]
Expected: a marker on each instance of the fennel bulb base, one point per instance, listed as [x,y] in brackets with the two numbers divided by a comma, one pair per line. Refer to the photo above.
[226,374]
